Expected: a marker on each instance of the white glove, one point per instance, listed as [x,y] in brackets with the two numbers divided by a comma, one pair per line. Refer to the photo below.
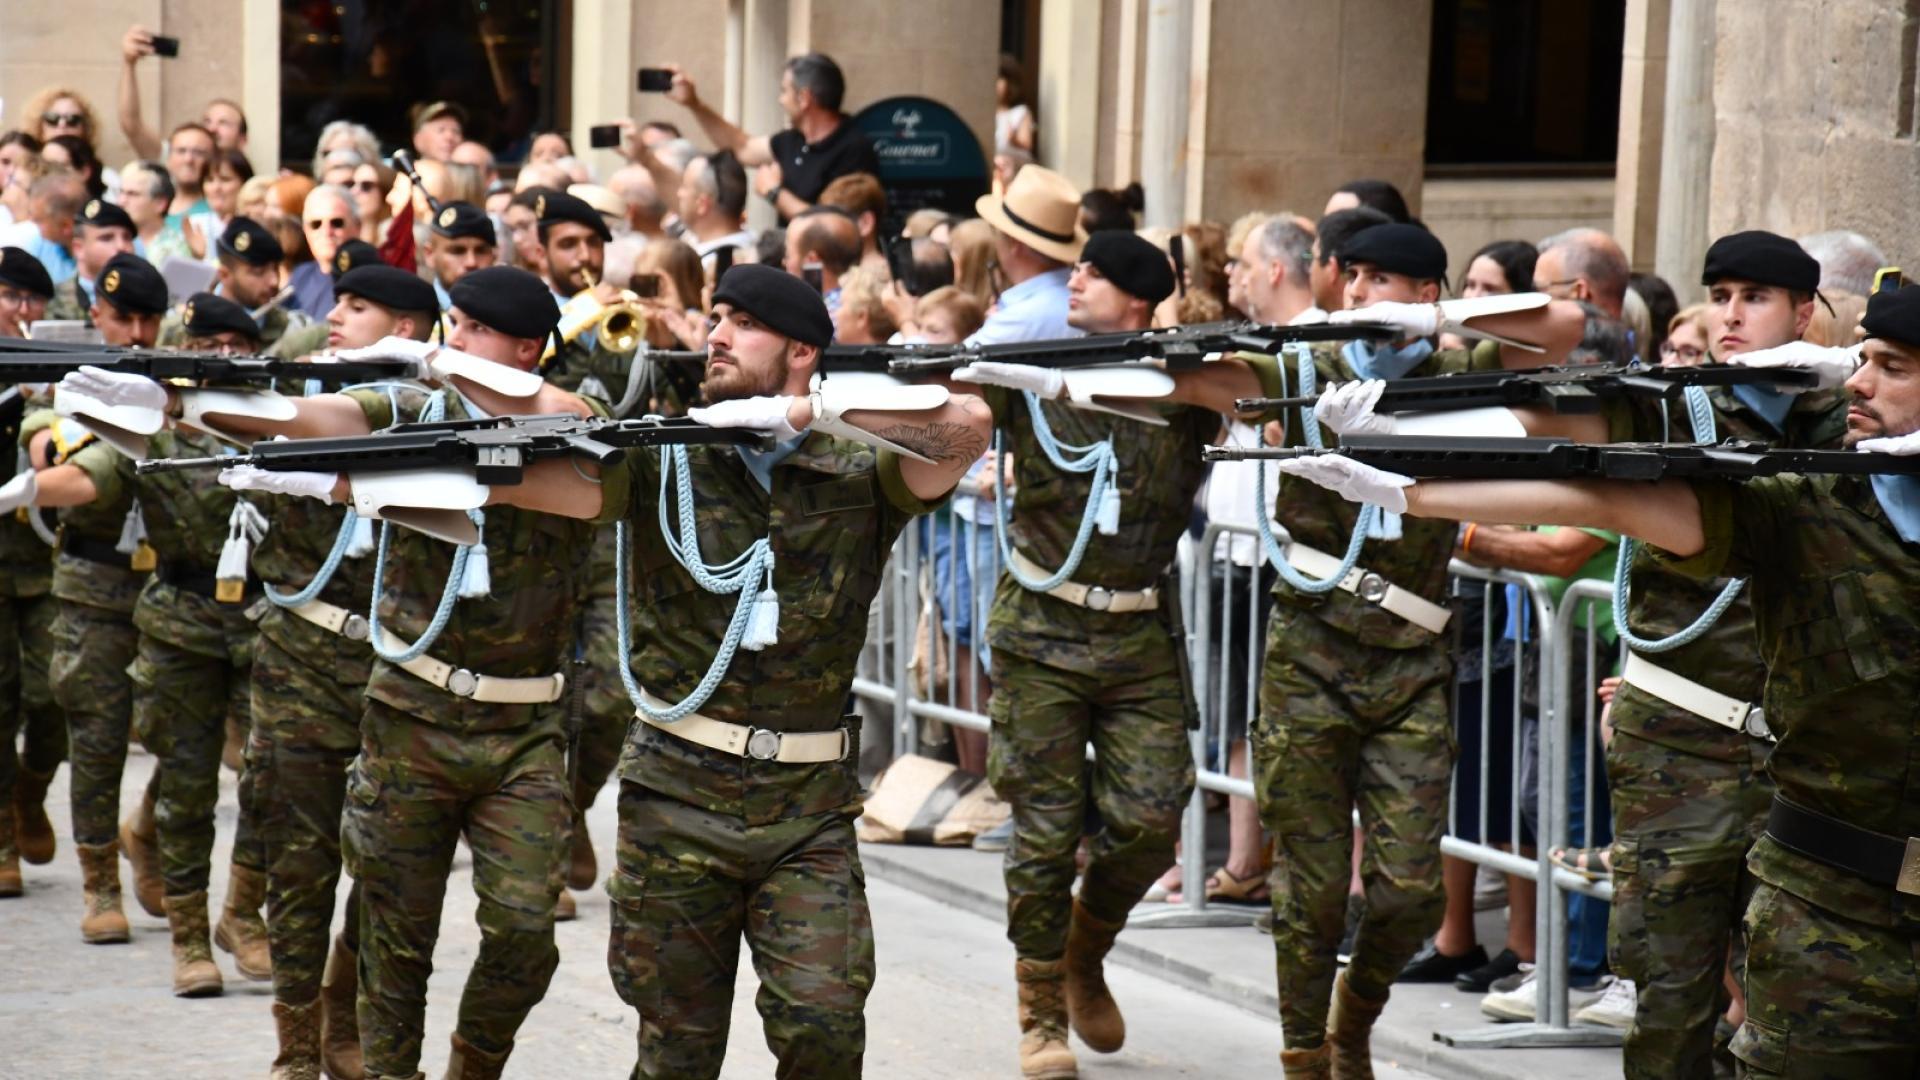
[19,491]
[1418,320]
[1047,382]
[1352,480]
[313,485]
[1897,445]
[1347,408]
[115,388]
[1831,366]
[767,413]
[395,348]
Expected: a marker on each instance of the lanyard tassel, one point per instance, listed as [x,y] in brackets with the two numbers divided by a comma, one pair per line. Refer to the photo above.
[763,626]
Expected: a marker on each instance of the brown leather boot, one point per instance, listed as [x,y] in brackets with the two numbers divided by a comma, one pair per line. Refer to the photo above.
[1314,1064]
[1044,1054]
[33,832]
[299,1029]
[104,922]
[242,931]
[469,1063]
[339,1025]
[1349,1028]
[564,908]
[194,972]
[10,883]
[583,870]
[140,844]
[233,749]
[1096,1019]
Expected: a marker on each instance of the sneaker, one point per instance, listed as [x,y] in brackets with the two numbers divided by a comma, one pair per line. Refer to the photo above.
[1513,1005]
[1480,979]
[996,838]
[1508,982]
[1613,1008]
[1489,890]
[1430,965]
[1356,906]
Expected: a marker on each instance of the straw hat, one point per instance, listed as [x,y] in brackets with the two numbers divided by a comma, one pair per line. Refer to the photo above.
[1041,209]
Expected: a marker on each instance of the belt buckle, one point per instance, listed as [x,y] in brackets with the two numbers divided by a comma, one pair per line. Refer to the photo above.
[1755,724]
[1373,587]
[355,628]
[462,683]
[1099,598]
[763,745]
[1909,880]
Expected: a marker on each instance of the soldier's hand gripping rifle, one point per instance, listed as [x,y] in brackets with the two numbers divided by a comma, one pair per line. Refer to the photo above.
[1440,457]
[1562,389]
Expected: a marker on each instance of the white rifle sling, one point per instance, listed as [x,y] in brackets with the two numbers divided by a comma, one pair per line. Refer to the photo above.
[830,402]
[196,403]
[432,501]
[1120,389]
[1455,313]
[123,427]
[499,378]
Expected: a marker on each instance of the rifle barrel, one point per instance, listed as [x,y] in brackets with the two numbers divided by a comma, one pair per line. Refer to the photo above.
[150,466]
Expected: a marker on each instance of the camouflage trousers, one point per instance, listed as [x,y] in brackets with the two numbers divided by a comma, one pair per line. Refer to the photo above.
[1827,997]
[1342,726]
[1140,780]
[26,704]
[306,731]
[414,789]
[92,649]
[606,708]
[690,884]
[181,703]
[1682,825]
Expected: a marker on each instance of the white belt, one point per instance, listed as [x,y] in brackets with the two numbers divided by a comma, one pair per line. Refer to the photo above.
[1683,693]
[760,744]
[539,690]
[1091,597]
[1372,588]
[334,620]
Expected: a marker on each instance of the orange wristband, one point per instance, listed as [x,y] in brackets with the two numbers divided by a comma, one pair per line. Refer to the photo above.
[1466,541]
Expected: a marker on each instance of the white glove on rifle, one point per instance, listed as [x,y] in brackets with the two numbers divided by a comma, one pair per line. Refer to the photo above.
[19,491]
[1831,366]
[1416,320]
[1897,445]
[1047,382]
[1347,408]
[767,413]
[1351,480]
[313,485]
[396,348]
[115,388]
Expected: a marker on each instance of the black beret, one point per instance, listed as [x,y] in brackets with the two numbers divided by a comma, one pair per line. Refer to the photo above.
[458,219]
[388,286]
[251,242]
[785,303]
[133,285]
[206,313]
[352,255]
[1763,258]
[559,206]
[21,270]
[103,214]
[509,300]
[1894,315]
[1130,261]
[1398,249]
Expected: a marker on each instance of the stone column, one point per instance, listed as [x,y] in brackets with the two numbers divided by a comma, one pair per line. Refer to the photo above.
[1687,145]
[1163,120]
[1643,94]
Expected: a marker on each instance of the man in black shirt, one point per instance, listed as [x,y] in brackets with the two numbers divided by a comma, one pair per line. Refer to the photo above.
[819,144]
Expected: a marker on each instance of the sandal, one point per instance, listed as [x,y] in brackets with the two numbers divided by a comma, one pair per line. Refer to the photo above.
[1224,887]
[1594,864]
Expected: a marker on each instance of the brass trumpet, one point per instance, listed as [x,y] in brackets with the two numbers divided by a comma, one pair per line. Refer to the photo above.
[619,325]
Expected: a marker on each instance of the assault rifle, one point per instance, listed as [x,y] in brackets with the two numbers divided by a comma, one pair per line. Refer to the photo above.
[1563,389]
[497,448]
[1182,347]
[1453,458]
[45,362]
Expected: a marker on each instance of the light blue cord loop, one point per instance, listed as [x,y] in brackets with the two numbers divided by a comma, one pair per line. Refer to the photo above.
[1363,524]
[1098,458]
[435,410]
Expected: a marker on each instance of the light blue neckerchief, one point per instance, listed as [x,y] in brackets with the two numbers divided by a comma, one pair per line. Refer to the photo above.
[1370,361]
[1772,405]
[1900,497]
[761,462]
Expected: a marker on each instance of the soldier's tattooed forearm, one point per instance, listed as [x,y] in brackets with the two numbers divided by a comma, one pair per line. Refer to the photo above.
[939,441]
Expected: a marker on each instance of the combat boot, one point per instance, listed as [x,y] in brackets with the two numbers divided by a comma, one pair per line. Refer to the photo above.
[298,1027]
[10,883]
[194,972]
[339,1026]
[1349,1029]
[104,922]
[564,908]
[1090,1006]
[1044,1054]
[33,832]
[471,1063]
[140,844]
[583,870]
[242,931]
[1314,1064]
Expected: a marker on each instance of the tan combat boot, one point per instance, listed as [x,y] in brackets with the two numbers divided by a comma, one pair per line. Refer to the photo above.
[33,832]
[564,908]
[194,972]
[242,931]
[104,922]
[470,1063]
[1096,1019]
[1044,1054]
[298,1027]
[1349,1028]
[10,883]
[1314,1064]
[339,1025]
[583,870]
[140,844]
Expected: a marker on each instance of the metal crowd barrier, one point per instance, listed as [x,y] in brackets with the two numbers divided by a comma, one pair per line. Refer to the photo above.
[888,692]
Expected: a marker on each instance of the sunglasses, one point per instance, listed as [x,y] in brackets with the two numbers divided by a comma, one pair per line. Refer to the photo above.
[328,223]
[63,119]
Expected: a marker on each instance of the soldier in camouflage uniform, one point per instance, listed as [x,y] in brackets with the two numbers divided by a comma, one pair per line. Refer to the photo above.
[26,704]
[101,231]
[302,341]
[249,275]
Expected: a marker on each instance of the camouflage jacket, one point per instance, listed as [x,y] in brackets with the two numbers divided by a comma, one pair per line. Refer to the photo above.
[671,387]
[110,586]
[1836,602]
[833,514]
[69,302]
[299,341]
[186,515]
[26,563]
